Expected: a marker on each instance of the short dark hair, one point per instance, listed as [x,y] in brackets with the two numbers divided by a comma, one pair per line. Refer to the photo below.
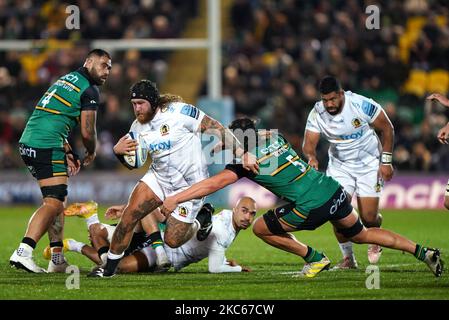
[329,84]
[98,53]
[242,124]
[239,128]
[146,89]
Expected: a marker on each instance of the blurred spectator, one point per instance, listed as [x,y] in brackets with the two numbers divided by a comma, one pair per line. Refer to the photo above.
[24,76]
[272,62]
[281,49]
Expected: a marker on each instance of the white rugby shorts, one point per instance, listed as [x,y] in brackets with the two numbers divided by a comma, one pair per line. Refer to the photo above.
[365,182]
[186,211]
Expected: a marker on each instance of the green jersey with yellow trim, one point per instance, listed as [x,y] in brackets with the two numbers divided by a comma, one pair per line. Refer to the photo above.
[284,173]
[59,109]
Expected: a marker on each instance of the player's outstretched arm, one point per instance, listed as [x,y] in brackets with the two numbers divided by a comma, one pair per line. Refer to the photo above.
[114,212]
[218,263]
[229,141]
[89,134]
[309,147]
[199,190]
[440,98]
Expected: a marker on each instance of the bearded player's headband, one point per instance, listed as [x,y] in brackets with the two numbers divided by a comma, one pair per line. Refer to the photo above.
[147,90]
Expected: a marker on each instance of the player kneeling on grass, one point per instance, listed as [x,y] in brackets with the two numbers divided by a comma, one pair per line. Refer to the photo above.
[100,234]
[223,229]
[313,199]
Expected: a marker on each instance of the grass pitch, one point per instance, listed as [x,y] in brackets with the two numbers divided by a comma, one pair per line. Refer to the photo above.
[401,275]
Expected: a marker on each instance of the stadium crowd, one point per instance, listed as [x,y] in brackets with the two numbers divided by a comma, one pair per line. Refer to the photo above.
[271,65]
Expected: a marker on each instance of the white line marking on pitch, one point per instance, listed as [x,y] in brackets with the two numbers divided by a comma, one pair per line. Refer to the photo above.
[380,267]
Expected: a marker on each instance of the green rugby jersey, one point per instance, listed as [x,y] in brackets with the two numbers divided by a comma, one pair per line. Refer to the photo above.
[284,173]
[59,109]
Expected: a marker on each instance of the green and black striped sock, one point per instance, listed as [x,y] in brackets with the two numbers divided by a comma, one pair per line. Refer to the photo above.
[420,252]
[156,239]
[312,255]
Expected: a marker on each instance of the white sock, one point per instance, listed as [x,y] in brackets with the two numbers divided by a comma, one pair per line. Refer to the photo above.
[25,250]
[104,259]
[57,257]
[93,219]
[346,249]
[196,226]
[74,245]
[160,251]
[113,256]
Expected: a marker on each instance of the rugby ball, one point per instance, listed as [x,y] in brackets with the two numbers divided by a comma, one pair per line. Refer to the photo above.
[137,158]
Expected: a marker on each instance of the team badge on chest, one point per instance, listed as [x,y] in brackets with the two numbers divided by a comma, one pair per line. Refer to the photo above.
[356,122]
[164,129]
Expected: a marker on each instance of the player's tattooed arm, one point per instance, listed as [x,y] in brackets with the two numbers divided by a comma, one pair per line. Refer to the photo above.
[89,134]
[227,139]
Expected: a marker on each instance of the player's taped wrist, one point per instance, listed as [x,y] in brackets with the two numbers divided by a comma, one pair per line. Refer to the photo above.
[386,158]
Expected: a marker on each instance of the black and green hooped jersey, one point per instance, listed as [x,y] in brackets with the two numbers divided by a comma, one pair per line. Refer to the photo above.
[59,109]
[284,173]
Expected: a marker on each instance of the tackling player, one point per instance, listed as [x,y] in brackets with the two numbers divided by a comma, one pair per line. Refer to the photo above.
[72,99]
[172,134]
[225,227]
[357,159]
[443,135]
[313,199]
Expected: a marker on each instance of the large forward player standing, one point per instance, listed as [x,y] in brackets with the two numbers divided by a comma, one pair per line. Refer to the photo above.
[357,159]
[72,99]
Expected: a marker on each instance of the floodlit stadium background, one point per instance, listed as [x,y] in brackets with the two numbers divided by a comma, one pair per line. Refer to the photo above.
[264,62]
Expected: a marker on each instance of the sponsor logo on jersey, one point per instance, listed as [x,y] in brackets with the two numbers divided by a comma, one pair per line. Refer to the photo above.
[160,146]
[353,136]
[164,129]
[281,151]
[70,77]
[337,203]
[29,152]
[356,122]
[271,148]
[182,211]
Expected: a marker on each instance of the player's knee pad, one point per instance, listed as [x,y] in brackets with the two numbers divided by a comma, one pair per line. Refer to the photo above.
[58,191]
[272,222]
[352,231]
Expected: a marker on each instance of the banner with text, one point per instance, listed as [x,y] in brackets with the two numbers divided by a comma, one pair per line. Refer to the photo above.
[413,192]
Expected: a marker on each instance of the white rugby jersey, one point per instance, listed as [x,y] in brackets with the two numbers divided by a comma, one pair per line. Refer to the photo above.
[173,140]
[214,247]
[353,143]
